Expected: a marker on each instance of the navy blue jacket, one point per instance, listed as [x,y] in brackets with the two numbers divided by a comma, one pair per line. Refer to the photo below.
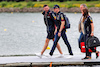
[87,25]
[59,19]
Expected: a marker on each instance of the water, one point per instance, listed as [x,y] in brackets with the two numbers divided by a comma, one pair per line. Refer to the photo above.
[22,36]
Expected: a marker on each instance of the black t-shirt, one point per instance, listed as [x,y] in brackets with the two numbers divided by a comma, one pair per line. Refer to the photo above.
[87,25]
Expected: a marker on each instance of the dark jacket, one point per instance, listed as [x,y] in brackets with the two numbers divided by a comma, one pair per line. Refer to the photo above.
[49,21]
[59,19]
[87,25]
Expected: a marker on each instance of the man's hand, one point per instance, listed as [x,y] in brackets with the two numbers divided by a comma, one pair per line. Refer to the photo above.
[92,34]
[55,31]
[59,34]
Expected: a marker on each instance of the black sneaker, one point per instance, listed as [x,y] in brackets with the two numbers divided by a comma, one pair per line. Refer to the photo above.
[71,54]
[97,55]
[50,54]
[86,58]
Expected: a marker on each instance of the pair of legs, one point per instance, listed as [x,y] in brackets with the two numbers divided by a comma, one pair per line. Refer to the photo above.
[46,45]
[87,49]
[81,39]
[63,35]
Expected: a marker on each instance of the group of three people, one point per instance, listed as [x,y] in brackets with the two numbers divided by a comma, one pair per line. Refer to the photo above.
[55,23]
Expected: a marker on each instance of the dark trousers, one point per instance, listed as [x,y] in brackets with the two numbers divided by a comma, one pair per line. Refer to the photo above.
[87,49]
[64,37]
[80,39]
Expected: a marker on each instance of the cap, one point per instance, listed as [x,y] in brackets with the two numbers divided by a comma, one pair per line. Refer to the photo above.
[56,6]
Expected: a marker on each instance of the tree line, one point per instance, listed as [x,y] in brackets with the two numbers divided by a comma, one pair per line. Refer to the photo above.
[46,0]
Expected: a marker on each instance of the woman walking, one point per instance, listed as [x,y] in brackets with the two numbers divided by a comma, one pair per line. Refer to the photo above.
[88,31]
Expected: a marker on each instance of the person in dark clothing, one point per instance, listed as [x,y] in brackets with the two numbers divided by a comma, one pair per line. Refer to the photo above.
[49,22]
[81,37]
[89,31]
[60,30]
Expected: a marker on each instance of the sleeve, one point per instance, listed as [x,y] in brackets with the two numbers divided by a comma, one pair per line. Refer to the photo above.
[45,21]
[90,19]
[62,17]
[44,18]
[43,12]
[53,17]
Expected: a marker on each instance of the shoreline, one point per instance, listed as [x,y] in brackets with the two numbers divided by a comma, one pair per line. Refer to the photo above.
[32,10]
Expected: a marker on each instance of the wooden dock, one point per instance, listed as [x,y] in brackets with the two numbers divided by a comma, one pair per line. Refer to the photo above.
[31,61]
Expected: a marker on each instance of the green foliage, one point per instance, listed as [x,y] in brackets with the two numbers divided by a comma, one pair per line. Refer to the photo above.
[66,4]
[3,4]
[30,4]
[19,5]
[90,6]
[69,6]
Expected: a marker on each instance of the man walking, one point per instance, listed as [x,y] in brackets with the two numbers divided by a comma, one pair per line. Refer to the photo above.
[60,30]
[49,22]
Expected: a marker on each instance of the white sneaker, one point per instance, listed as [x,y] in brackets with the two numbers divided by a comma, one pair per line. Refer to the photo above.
[61,56]
[50,56]
[69,57]
[39,55]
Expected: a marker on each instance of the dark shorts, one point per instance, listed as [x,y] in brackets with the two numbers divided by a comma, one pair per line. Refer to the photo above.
[50,35]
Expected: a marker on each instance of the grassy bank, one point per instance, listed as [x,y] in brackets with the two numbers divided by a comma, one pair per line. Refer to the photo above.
[67,4]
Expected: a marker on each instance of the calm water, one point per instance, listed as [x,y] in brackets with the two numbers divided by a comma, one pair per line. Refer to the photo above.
[20,36]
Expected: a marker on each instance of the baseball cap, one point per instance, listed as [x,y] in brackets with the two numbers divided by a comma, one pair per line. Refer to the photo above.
[56,6]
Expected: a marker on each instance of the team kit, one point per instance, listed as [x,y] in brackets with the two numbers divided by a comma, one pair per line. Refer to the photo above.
[57,22]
